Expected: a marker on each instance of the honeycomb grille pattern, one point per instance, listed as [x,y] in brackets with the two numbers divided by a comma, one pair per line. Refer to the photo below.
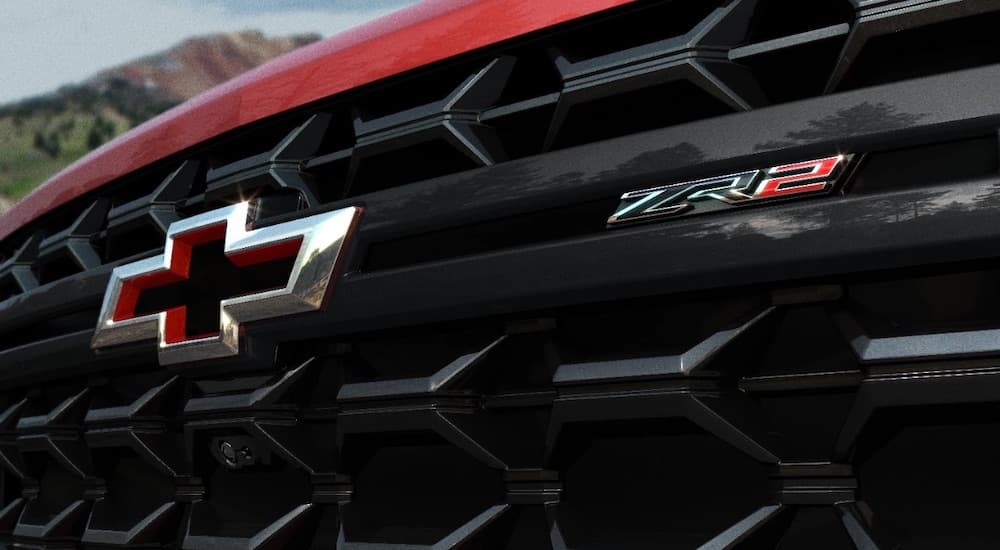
[651,65]
[807,417]
[859,412]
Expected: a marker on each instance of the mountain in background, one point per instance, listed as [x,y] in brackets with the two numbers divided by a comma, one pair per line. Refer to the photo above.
[197,64]
[41,135]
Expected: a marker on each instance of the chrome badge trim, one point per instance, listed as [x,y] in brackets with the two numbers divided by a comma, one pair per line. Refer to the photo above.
[323,237]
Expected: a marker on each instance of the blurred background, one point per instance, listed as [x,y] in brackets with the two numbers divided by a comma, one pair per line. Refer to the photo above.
[74,74]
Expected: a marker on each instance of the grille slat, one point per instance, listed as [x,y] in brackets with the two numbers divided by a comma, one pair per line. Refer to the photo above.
[330,425]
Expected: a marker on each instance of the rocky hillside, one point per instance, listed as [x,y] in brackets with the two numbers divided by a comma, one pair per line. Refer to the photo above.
[41,135]
[198,64]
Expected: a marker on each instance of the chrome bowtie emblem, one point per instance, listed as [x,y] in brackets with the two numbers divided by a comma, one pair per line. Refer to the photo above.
[314,242]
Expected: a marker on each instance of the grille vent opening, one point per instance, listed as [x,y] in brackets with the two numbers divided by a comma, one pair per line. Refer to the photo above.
[241,503]
[134,491]
[931,302]
[928,474]
[415,354]
[933,49]
[648,328]
[618,477]
[813,63]
[55,267]
[394,168]
[8,287]
[805,340]
[636,27]
[139,238]
[780,18]
[816,528]
[637,111]
[392,478]
[58,489]
[247,143]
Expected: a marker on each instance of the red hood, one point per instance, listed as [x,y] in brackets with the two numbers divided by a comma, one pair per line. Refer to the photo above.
[422,34]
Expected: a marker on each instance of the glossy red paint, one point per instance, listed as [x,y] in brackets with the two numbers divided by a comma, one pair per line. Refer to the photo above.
[422,34]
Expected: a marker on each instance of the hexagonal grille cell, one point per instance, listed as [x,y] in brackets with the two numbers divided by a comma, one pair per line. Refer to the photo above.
[804,340]
[637,111]
[414,489]
[933,49]
[930,476]
[653,484]
[803,427]
[134,490]
[933,302]
[815,528]
[58,488]
[240,504]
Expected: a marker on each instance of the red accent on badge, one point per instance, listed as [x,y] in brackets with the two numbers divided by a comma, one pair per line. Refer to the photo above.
[816,178]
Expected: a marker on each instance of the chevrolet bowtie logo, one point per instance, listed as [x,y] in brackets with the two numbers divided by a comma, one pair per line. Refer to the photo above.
[313,243]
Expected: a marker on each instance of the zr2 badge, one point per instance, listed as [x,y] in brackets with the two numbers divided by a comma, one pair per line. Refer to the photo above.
[811,177]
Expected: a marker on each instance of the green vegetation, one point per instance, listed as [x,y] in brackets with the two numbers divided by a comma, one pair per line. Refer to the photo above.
[40,136]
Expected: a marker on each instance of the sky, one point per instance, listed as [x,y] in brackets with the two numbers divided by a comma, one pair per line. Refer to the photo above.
[47,43]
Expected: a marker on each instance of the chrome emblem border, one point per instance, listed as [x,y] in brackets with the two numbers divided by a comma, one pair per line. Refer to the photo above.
[323,237]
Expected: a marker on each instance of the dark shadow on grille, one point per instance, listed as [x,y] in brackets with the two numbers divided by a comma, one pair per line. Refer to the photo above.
[929,302]
[414,354]
[141,238]
[414,488]
[645,109]
[243,144]
[804,340]
[803,426]
[649,22]
[644,328]
[929,476]
[134,491]
[242,503]
[812,64]
[523,131]
[58,267]
[533,76]
[418,162]
[646,485]
[939,48]
[815,528]
[58,489]
[779,18]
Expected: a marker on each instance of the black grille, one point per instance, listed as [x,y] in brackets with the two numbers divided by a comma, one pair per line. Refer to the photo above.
[835,415]
[498,370]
